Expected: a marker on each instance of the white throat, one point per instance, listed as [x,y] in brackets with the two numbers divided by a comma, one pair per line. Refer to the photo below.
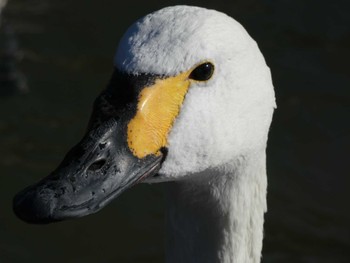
[217,216]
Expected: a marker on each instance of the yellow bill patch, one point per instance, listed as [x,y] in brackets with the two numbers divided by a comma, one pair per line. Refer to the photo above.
[157,108]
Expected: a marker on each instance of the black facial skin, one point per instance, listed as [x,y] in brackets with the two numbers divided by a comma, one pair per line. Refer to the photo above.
[100,167]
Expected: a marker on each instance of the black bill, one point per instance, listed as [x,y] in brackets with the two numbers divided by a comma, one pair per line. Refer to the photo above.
[95,171]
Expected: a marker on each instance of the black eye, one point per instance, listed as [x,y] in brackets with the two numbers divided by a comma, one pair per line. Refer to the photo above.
[203,72]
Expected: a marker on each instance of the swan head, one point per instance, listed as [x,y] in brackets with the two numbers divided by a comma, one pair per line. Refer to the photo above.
[190,91]
[221,118]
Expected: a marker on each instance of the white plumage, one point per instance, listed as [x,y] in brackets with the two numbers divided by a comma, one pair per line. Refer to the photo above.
[217,145]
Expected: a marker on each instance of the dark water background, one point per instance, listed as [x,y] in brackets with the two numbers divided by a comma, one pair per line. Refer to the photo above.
[67,49]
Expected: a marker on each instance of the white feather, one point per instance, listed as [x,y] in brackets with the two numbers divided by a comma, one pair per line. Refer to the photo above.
[217,143]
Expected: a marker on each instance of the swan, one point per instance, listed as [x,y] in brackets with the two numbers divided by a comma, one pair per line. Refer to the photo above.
[189,103]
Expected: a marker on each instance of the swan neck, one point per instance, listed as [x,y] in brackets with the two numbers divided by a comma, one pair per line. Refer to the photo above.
[217,215]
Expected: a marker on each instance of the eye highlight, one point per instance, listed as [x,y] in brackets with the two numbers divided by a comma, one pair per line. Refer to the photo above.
[203,72]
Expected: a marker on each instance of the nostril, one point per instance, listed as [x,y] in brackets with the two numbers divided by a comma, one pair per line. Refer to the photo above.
[97,165]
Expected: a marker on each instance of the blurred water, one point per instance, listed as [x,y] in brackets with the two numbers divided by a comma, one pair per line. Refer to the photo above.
[68,49]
